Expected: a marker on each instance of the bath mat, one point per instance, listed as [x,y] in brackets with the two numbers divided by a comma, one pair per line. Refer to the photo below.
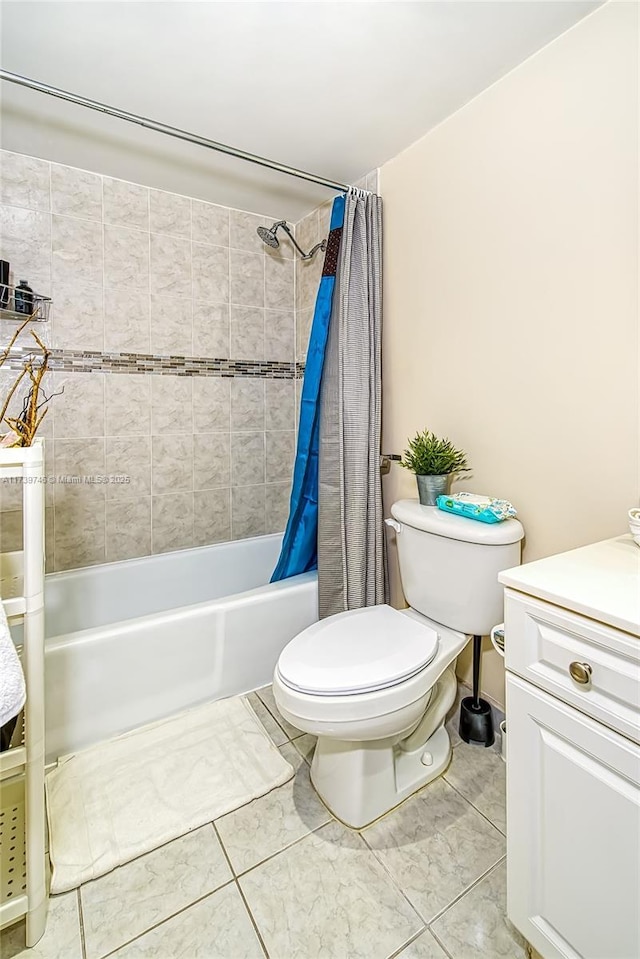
[120,799]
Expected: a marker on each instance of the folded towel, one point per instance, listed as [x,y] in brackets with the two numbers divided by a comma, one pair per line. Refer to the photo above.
[12,688]
[486,509]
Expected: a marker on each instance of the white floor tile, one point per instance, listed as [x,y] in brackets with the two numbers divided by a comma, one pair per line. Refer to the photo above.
[477,925]
[61,939]
[276,732]
[424,947]
[328,896]
[267,697]
[218,927]
[269,824]
[479,774]
[435,845]
[133,898]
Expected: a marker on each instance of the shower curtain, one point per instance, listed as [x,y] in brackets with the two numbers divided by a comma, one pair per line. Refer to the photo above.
[299,551]
[351,555]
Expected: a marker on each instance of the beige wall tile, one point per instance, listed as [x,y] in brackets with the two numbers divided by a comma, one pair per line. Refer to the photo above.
[80,458]
[209,223]
[76,192]
[304,319]
[78,316]
[128,528]
[246,333]
[165,292]
[211,460]
[279,289]
[246,278]
[172,463]
[171,404]
[125,204]
[24,181]
[10,530]
[307,231]
[277,496]
[170,270]
[247,404]
[279,404]
[79,527]
[126,259]
[126,321]
[247,459]
[170,213]
[210,273]
[211,329]
[211,404]
[247,511]
[279,331]
[308,275]
[211,516]
[25,238]
[171,522]
[77,256]
[128,404]
[242,231]
[79,410]
[128,456]
[280,453]
[171,326]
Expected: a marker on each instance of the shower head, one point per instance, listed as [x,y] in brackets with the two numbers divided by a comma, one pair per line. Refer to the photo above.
[268,236]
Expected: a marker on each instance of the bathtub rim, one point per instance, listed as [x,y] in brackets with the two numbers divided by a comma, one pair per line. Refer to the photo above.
[119,626]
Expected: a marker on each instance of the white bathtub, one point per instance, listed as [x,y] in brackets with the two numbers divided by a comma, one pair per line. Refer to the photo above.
[134,641]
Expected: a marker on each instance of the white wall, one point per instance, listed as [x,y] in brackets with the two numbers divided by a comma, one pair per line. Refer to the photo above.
[511,290]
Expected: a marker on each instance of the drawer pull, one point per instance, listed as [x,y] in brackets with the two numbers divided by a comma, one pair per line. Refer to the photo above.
[581,672]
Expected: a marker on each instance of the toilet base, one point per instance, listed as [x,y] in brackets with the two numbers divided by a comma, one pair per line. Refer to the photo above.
[360,782]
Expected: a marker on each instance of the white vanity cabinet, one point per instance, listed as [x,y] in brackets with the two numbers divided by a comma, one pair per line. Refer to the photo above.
[572,653]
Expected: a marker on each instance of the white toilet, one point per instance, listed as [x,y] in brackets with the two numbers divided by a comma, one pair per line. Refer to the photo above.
[374,685]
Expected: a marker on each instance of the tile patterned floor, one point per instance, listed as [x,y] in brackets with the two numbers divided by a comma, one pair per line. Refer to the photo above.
[281,878]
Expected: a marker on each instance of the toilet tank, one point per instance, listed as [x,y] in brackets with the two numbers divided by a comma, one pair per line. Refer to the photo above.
[449,565]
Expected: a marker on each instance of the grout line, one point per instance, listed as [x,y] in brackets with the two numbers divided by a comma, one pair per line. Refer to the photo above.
[461,895]
[167,919]
[83,944]
[251,917]
[222,845]
[441,944]
[405,945]
[473,806]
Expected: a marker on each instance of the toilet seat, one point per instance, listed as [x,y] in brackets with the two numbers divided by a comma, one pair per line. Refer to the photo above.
[360,651]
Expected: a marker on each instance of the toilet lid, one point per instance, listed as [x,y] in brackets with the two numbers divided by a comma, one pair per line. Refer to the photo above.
[357,652]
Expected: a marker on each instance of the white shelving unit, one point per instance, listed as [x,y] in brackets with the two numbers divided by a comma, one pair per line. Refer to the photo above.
[23,865]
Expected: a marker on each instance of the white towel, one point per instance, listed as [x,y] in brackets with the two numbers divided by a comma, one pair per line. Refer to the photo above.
[12,689]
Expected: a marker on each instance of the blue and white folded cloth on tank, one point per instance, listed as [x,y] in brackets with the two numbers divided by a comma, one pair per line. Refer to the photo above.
[485,509]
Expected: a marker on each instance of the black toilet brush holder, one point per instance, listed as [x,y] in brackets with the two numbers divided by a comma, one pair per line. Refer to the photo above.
[476,720]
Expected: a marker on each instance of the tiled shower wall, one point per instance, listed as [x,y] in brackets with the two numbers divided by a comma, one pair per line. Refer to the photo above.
[149,274]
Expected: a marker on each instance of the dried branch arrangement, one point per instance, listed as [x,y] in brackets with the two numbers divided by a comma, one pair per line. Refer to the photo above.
[23,428]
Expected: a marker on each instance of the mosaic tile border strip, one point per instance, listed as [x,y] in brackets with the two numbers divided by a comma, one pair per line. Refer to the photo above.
[86,361]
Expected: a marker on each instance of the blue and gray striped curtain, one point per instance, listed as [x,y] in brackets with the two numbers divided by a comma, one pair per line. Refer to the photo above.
[336,516]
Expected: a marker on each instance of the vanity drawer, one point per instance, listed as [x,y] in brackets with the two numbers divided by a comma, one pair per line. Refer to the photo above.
[546,644]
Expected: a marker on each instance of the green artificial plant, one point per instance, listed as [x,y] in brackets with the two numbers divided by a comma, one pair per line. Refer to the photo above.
[428,455]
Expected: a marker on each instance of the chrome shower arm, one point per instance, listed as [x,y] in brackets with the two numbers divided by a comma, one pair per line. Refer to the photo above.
[305,256]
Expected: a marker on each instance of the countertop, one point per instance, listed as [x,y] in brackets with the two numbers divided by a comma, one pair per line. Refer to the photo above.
[601,581]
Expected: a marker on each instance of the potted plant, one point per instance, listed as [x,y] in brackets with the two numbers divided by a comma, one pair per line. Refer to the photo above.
[434,461]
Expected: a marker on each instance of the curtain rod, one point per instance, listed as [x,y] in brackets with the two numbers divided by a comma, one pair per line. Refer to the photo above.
[169,131]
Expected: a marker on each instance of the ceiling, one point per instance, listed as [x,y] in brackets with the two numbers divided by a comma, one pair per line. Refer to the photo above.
[334,88]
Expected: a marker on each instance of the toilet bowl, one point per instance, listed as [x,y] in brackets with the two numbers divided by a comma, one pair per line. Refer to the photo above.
[374,685]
